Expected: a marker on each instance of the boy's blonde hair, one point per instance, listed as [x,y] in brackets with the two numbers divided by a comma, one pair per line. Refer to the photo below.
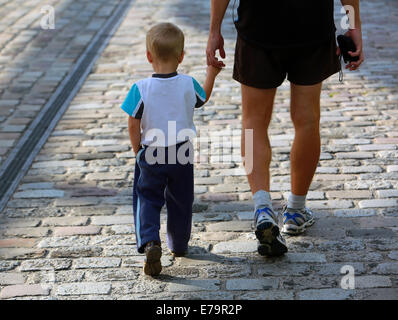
[165,41]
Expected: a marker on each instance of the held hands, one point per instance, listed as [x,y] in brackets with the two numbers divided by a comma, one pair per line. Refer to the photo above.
[356,36]
[215,42]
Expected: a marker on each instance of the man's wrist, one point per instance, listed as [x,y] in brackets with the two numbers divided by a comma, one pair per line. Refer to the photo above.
[356,24]
[356,28]
[215,30]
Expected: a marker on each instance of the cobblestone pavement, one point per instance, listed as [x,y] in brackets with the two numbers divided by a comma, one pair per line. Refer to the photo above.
[67,233]
[34,61]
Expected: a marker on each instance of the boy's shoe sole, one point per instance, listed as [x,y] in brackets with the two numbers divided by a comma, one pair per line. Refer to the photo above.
[152,264]
[271,242]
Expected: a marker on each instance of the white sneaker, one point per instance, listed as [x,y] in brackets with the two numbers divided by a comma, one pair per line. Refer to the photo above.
[295,221]
[271,242]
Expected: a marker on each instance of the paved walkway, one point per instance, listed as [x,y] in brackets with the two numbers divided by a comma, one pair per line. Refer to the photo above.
[33,61]
[67,233]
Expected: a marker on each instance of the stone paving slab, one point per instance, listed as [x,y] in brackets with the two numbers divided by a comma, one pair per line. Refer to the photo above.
[34,61]
[68,231]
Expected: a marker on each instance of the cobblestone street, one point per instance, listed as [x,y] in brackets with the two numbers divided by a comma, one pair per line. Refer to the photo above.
[33,61]
[68,232]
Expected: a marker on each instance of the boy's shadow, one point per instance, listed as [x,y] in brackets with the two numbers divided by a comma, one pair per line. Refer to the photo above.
[196,257]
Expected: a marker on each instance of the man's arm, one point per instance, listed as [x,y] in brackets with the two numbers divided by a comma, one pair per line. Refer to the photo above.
[354,32]
[134,126]
[216,41]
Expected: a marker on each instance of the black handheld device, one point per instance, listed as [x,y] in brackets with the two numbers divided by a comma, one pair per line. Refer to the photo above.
[346,44]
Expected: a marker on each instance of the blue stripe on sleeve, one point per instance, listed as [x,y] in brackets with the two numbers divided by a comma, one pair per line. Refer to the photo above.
[133,101]
[200,92]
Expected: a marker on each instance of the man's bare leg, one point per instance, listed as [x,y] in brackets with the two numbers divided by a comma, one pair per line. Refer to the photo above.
[304,156]
[257,105]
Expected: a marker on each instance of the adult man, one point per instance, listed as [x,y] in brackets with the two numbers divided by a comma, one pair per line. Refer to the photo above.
[275,39]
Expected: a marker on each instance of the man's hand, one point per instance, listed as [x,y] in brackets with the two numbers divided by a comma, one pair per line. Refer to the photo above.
[215,42]
[356,36]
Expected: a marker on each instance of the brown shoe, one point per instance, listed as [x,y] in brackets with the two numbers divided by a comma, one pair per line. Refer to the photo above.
[152,265]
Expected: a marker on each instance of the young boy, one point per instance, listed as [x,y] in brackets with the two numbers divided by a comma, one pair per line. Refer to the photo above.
[160,123]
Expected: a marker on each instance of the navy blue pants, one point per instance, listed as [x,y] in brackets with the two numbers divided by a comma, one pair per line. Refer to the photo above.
[155,184]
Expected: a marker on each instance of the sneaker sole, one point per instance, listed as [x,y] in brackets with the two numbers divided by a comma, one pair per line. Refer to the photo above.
[267,234]
[296,230]
[152,264]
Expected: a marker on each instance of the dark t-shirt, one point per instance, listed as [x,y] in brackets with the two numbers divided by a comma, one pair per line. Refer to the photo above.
[285,23]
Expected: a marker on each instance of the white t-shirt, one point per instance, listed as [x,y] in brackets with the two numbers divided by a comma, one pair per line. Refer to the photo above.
[165,104]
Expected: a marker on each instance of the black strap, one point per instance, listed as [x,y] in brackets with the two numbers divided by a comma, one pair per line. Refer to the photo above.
[341,75]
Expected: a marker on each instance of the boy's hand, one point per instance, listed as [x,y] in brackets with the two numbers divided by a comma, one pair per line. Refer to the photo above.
[135,133]
[211,74]
[213,71]
[136,148]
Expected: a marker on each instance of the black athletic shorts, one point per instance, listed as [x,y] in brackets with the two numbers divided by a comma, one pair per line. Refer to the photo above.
[265,68]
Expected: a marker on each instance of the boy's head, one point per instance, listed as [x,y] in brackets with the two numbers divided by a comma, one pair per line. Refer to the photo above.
[165,42]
